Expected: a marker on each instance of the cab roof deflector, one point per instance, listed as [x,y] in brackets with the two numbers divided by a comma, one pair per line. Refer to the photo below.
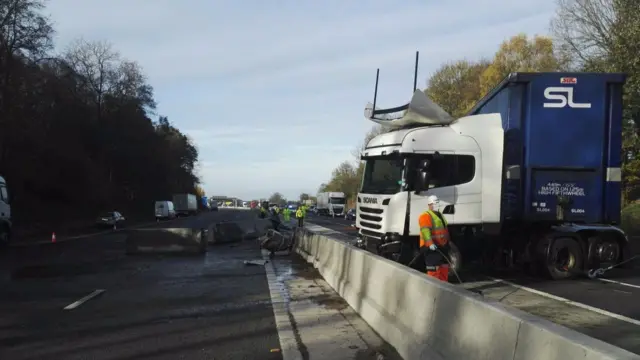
[420,111]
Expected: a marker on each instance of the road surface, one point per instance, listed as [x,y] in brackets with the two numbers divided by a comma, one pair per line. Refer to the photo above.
[172,307]
[607,309]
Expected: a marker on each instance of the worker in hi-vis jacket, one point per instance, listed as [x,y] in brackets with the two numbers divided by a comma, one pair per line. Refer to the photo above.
[434,241]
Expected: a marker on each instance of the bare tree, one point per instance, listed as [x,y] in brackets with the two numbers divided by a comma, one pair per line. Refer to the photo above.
[583,29]
[98,63]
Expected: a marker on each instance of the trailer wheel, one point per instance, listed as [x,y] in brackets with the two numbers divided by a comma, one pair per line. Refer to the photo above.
[565,259]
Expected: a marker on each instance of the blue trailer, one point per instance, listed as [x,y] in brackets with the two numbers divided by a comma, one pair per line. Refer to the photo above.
[531,177]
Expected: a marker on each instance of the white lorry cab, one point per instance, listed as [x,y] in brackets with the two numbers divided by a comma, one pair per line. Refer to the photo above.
[164,210]
[5,213]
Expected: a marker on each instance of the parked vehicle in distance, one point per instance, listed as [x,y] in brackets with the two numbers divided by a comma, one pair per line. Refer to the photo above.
[350,214]
[185,204]
[213,206]
[110,219]
[5,214]
[331,203]
[165,210]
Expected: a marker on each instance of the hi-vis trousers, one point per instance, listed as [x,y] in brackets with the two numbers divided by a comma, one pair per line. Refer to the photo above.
[441,272]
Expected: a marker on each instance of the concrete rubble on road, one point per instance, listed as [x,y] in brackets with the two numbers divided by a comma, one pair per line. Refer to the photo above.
[225,232]
[172,240]
[194,241]
[275,241]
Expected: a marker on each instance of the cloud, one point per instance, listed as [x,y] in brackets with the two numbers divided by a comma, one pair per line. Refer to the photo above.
[273,96]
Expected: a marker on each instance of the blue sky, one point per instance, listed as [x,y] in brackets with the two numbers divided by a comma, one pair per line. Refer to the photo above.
[273,96]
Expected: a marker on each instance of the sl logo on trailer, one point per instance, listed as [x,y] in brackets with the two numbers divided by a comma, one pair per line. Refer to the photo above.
[563,96]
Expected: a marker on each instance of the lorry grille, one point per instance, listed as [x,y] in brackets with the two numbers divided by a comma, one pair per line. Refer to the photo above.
[370,220]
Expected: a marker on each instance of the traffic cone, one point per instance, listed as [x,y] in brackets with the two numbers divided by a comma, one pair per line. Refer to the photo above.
[53,237]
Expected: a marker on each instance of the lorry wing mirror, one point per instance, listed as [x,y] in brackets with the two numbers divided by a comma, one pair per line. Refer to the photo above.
[422,181]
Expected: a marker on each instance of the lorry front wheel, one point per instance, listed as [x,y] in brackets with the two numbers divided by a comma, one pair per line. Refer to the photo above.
[565,260]
[455,256]
[5,235]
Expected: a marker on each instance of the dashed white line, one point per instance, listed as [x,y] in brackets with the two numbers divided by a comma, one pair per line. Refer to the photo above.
[289,347]
[75,304]
[574,303]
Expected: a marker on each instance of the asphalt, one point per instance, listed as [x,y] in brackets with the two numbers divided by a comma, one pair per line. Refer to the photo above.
[607,308]
[211,306]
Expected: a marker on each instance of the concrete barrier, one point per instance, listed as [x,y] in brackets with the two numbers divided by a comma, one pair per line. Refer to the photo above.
[173,240]
[424,318]
[225,232]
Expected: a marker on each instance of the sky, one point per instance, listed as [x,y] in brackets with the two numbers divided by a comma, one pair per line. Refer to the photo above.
[274,96]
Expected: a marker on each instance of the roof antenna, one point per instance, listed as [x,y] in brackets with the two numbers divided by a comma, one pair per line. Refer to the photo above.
[396,109]
[375,94]
[415,73]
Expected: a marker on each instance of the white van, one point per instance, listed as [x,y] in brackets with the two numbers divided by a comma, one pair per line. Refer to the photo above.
[165,210]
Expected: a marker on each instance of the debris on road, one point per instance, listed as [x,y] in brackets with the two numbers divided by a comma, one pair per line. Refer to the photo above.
[256,262]
[75,304]
[275,241]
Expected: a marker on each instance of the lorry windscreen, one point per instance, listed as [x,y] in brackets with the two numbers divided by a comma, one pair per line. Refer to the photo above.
[382,175]
[338,201]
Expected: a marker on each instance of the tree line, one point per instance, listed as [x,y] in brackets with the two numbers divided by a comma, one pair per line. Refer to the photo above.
[587,36]
[79,131]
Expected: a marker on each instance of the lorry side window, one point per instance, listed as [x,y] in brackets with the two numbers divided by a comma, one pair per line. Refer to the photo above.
[4,196]
[441,171]
[466,169]
[450,170]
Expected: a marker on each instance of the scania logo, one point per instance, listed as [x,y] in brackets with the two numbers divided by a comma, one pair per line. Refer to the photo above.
[369,200]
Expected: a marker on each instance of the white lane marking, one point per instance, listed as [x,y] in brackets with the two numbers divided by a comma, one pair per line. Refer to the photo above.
[620,283]
[74,305]
[289,348]
[570,302]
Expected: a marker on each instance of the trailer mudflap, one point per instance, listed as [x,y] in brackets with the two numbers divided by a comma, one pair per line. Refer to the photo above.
[571,195]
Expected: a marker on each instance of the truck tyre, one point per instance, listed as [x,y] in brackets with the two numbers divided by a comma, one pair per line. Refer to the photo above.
[455,256]
[5,235]
[565,260]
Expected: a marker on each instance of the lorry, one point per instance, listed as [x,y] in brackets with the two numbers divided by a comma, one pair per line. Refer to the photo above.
[204,203]
[331,203]
[185,204]
[5,214]
[529,179]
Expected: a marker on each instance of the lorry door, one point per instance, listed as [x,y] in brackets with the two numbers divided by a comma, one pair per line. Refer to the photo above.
[441,184]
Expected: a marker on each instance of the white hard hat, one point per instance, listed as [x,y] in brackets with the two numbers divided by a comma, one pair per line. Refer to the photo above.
[432,199]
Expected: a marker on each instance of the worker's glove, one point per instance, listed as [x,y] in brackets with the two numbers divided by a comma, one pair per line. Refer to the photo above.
[433,247]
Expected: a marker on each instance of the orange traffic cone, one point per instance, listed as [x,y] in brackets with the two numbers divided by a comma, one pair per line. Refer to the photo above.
[53,237]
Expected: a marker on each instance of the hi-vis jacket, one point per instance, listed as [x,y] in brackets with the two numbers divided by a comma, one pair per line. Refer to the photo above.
[299,213]
[433,229]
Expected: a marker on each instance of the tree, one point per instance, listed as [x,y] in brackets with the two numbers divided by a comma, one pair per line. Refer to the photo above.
[521,54]
[84,113]
[456,86]
[277,198]
[304,196]
[605,36]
